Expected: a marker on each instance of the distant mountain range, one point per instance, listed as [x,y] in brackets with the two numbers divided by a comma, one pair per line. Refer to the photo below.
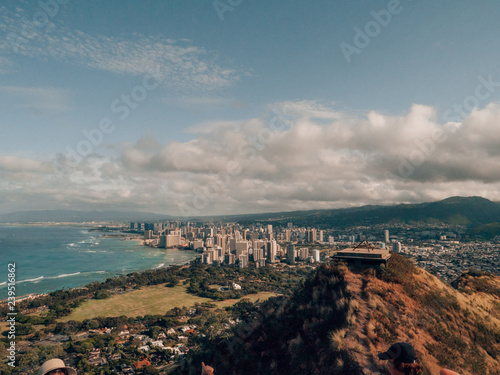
[470,211]
[74,216]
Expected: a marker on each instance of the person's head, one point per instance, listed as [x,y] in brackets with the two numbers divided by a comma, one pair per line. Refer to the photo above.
[402,359]
[55,366]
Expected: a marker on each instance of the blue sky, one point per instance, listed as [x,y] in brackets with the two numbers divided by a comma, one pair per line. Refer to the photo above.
[180,98]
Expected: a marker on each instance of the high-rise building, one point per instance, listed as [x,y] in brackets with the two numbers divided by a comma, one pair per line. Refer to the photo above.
[272,252]
[311,235]
[243,261]
[288,235]
[320,236]
[214,253]
[208,232]
[232,244]
[229,259]
[175,232]
[396,247]
[303,253]
[163,241]
[241,248]
[290,253]
[316,256]
[173,240]
[258,254]
[148,234]
[258,244]
[207,258]
[196,244]
[386,235]
[220,240]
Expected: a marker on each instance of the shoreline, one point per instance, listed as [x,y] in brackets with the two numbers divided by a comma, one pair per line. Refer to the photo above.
[55,224]
[136,244]
[36,295]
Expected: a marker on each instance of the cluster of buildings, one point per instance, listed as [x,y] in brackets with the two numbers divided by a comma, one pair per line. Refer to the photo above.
[443,250]
[436,248]
[233,244]
[449,258]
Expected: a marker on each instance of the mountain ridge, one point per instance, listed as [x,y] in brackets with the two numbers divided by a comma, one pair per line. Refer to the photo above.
[342,318]
[470,211]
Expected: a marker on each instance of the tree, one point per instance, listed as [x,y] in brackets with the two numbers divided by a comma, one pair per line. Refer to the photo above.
[154,331]
[102,294]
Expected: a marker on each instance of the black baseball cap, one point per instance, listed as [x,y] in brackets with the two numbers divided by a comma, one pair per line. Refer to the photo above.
[401,352]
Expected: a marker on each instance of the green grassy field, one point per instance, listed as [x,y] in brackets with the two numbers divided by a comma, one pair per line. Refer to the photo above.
[153,300]
[262,296]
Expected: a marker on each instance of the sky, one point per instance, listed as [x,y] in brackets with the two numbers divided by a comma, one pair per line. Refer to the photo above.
[190,108]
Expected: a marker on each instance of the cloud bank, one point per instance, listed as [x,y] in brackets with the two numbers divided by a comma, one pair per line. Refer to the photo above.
[300,155]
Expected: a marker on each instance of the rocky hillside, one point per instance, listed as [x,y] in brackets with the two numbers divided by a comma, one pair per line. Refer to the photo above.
[341,318]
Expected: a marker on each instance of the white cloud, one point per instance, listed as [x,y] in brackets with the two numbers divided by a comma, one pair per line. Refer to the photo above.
[182,65]
[304,163]
[20,164]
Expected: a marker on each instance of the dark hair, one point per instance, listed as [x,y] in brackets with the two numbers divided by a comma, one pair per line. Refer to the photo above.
[408,368]
[61,369]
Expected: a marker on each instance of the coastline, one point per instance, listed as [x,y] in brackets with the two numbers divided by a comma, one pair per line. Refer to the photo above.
[80,256]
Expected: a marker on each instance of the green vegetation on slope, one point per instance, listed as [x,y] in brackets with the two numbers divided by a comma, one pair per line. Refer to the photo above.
[340,319]
[287,336]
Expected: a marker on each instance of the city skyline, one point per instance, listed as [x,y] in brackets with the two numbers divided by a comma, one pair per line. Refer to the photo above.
[228,107]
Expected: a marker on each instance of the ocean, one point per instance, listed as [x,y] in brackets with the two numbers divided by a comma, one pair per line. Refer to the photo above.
[49,258]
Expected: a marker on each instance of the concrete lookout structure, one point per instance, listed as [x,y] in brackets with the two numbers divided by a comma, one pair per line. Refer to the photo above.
[364,254]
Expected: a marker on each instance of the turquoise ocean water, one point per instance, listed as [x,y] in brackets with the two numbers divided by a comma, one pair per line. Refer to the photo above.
[48,258]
